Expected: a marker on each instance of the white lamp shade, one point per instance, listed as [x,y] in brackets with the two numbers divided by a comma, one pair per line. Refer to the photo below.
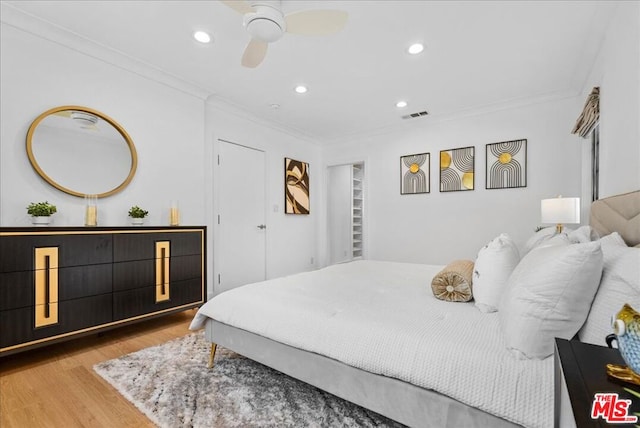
[560,210]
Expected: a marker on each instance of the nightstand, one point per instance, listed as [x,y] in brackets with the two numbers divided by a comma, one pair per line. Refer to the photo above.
[580,373]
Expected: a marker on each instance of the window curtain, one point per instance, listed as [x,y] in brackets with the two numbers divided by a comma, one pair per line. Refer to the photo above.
[590,114]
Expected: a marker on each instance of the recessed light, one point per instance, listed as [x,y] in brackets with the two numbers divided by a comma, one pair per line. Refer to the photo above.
[274,106]
[202,37]
[301,89]
[401,104]
[415,48]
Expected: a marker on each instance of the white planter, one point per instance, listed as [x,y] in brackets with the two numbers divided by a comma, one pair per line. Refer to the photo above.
[137,221]
[40,221]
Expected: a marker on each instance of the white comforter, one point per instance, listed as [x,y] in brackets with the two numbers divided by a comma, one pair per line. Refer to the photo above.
[382,317]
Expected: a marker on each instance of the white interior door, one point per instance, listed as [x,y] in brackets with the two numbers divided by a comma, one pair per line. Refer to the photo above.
[242,227]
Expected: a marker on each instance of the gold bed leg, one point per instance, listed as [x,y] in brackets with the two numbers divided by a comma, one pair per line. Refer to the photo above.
[212,355]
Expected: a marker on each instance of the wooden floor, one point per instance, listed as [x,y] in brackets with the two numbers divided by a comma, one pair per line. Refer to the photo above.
[56,386]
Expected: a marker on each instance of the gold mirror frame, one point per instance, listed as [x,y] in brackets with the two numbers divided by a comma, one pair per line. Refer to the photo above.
[120,129]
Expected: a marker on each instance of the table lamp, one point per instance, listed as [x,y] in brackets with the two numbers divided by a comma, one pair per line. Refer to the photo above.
[560,211]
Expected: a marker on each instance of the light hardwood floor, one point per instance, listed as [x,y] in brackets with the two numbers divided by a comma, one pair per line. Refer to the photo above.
[55,386]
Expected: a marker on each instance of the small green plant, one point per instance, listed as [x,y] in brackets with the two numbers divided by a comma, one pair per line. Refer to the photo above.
[137,212]
[41,209]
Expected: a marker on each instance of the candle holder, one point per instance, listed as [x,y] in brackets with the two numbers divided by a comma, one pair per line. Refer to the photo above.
[91,210]
[174,214]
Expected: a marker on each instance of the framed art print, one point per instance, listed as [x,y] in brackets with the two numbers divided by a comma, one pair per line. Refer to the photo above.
[415,171]
[507,164]
[457,167]
[296,187]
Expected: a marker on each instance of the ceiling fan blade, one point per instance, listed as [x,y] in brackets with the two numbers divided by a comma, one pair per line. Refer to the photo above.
[316,22]
[254,53]
[240,6]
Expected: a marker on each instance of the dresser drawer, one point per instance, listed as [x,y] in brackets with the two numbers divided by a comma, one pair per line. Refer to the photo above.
[16,252]
[140,301]
[142,273]
[17,288]
[18,325]
[129,247]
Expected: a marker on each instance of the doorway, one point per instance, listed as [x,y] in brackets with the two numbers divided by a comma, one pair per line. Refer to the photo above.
[345,212]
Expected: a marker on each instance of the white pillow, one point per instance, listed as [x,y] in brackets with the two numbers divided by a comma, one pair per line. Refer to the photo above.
[548,295]
[492,268]
[537,239]
[612,240]
[620,284]
[582,234]
[557,239]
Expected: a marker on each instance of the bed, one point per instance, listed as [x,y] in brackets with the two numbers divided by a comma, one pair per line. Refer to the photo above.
[373,333]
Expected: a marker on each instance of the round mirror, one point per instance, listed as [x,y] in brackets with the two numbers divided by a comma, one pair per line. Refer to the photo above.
[81,151]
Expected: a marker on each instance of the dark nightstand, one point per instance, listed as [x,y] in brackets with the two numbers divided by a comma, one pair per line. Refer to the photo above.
[580,373]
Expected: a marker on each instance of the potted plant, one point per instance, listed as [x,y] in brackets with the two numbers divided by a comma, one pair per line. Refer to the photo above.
[41,212]
[137,215]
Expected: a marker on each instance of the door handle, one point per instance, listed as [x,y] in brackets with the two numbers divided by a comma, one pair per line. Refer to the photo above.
[262,226]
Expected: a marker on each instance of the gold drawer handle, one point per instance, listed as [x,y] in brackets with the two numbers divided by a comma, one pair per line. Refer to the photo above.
[46,286]
[162,270]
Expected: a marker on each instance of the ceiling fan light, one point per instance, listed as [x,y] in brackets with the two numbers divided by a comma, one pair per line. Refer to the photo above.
[301,89]
[264,29]
[202,36]
[415,48]
[266,23]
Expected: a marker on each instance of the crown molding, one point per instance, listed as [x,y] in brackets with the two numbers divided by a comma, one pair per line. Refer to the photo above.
[455,115]
[21,20]
[229,107]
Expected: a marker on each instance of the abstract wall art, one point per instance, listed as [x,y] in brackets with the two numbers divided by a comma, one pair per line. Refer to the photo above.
[415,171]
[507,164]
[296,188]
[457,168]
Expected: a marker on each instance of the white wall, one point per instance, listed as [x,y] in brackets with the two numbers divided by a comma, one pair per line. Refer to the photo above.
[440,227]
[617,72]
[166,125]
[291,239]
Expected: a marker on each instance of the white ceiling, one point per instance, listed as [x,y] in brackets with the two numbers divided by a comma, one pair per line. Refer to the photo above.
[478,55]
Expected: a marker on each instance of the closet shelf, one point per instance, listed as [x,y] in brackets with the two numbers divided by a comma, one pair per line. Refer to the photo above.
[357,195]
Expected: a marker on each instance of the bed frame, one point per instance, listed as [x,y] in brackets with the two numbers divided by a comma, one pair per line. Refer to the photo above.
[395,399]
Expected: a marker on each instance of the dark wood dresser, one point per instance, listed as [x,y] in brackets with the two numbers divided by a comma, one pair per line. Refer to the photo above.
[57,283]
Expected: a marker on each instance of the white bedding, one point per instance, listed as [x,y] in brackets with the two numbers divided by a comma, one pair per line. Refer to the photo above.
[382,317]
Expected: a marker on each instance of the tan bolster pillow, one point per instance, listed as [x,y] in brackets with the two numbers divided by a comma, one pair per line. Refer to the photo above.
[453,283]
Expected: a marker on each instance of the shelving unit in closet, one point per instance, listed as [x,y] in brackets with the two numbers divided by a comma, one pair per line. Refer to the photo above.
[357,204]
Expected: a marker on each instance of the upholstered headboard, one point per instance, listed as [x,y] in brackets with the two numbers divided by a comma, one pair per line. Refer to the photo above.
[620,213]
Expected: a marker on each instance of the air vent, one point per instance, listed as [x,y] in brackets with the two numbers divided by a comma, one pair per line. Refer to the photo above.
[414,115]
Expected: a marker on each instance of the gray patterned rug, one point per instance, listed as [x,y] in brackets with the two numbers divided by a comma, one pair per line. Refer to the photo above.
[172,386]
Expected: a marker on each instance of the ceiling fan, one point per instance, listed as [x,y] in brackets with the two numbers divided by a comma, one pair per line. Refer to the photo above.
[266,23]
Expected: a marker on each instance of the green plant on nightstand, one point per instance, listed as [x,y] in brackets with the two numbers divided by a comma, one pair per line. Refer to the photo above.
[137,215]
[41,212]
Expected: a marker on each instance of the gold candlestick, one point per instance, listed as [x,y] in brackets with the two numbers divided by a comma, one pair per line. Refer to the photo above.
[91,210]
[174,214]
